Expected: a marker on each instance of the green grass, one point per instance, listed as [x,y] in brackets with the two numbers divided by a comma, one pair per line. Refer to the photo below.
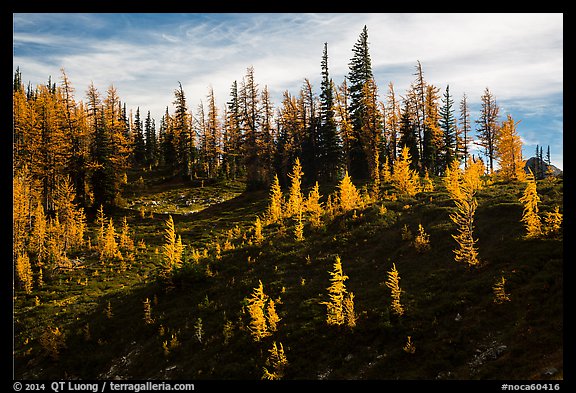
[450,313]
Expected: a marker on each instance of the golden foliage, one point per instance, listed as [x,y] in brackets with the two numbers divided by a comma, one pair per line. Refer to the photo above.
[452,178]
[299,228]
[336,292]
[427,184]
[500,295]
[275,212]
[350,317]
[530,200]
[173,247]
[552,222]
[393,282]
[348,196]
[314,207]
[271,316]
[422,240]
[258,237]
[509,152]
[256,308]
[277,361]
[464,220]
[405,180]
[24,272]
[295,199]
[409,347]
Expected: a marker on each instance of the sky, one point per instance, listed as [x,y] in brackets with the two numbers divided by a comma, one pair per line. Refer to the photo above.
[518,57]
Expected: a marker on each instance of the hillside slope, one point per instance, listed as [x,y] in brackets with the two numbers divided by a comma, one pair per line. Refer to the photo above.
[198,327]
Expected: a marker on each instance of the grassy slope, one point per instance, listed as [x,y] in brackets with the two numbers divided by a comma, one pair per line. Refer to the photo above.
[458,331]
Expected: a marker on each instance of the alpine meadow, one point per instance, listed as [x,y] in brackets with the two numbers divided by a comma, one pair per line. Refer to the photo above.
[350,231]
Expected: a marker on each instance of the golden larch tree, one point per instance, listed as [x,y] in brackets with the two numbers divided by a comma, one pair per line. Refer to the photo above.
[509,152]
[24,272]
[275,207]
[452,179]
[553,222]
[348,196]
[404,178]
[393,282]
[530,200]
[336,292]
[173,247]
[314,207]
[464,220]
[277,361]
[257,310]
[500,295]
[295,198]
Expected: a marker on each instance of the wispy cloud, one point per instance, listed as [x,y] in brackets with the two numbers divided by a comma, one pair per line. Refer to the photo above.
[518,56]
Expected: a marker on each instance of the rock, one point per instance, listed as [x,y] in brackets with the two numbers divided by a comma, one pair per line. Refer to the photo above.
[533,162]
[549,371]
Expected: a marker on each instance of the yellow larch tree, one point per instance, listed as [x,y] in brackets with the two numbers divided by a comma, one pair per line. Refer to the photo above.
[110,247]
[38,236]
[336,292]
[173,248]
[257,310]
[452,179]
[295,199]
[422,240]
[277,361]
[272,316]
[509,152]
[258,237]
[393,282]
[348,196]
[405,179]
[530,200]
[275,207]
[314,207]
[464,220]
[552,222]
[472,175]
[500,295]
[350,316]
[427,184]
[24,272]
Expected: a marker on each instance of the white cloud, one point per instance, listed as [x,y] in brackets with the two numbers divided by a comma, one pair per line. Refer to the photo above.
[518,56]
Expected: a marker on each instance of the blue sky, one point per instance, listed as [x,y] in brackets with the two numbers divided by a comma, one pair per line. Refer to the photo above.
[519,57]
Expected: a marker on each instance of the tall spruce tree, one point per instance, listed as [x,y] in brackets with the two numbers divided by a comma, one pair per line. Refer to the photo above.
[184,143]
[139,144]
[360,73]
[329,145]
[448,126]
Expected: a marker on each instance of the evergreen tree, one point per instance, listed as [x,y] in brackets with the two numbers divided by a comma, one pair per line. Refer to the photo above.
[408,135]
[433,138]
[360,73]
[184,144]
[329,145]
[103,177]
[447,124]
[232,156]
[151,142]
[139,144]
